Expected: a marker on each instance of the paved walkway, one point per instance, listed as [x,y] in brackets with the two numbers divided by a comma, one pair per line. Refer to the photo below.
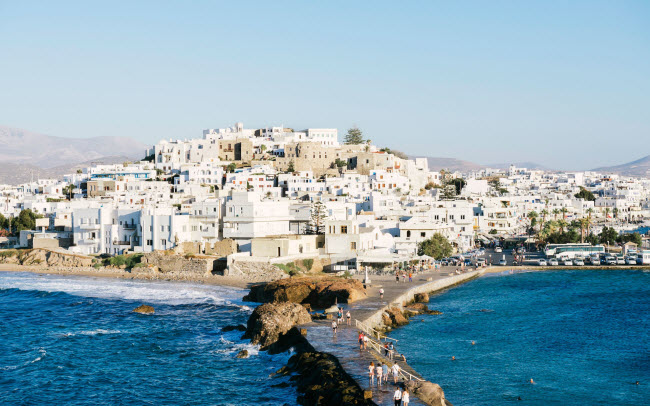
[345,344]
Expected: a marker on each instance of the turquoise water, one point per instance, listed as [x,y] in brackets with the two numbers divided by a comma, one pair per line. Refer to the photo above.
[75,341]
[582,336]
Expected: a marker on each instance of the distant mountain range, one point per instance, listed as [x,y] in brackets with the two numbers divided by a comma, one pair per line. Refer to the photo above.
[453,164]
[23,153]
[640,167]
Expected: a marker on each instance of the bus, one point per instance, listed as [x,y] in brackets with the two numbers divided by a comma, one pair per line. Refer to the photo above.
[572,250]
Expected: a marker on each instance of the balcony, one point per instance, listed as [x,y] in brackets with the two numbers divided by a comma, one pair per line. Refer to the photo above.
[87,226]
[121,242]
[130,226]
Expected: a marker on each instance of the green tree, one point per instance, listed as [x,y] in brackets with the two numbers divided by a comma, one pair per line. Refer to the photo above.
[317,217]
[458,184]
[354,136]
[291,167]
[555,213]
[608,235]
[26,220]
[4,222]
[231,167]
[630,237]
[437,247]
[585,194]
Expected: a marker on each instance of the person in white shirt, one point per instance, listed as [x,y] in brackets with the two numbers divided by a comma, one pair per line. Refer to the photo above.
[395,370]
[334,327]
[397,397]
[405,398]
[381,293]
[348,316]
[379,374]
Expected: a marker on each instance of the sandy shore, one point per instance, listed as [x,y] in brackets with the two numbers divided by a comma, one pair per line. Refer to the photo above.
[231,281]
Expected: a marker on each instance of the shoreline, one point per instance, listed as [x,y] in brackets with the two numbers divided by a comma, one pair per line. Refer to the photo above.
[216,280]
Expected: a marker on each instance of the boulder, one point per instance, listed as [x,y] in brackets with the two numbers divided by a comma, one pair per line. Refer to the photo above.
[421,298]
[321,380]
[318,292]
[270,321]
[144,309]
[243,354]
[395,316]
[429,393]
[422,309]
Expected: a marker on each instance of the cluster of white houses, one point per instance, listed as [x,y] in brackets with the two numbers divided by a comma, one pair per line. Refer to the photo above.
[260,187]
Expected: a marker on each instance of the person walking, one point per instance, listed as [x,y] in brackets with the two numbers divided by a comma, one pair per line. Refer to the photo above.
[339,316]
[410,276]
[371,373]
[397,276]
[391,350]
[395,370]
[405,398]
[361,340]
[381,293]
[397,397]
[365,342]
[384,372]
[334,327]
[379,372]
[348,316]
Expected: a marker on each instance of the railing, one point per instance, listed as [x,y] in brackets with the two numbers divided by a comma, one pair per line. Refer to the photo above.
[376,345]
[373,332]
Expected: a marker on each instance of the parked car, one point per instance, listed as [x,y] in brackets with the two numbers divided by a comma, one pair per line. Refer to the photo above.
[553,262]
[578,262]
[498,249]
[567,262]
[630,260]
[620,261]
[542,262]
[481,262]
[503,262]
[610,260]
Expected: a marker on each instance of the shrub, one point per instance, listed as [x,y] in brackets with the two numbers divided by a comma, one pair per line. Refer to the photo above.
[308,263]
[189,255]
[133,260]
[347,275]
[97,265]
[117,260]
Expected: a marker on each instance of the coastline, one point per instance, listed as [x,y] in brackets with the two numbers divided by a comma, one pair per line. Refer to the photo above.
[147,275]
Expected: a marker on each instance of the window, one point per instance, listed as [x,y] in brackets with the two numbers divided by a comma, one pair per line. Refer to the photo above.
[353,245]
[408,233]
[149,242]
[423,234]
[344,229]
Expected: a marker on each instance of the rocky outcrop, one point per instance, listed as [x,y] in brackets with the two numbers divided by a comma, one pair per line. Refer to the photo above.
[429,393]
[321,380]
[393,317]
[255,271]
[421,298]
[144,309]
[242,354]
[51,258]
[421,308]
[270,322]
[317,292]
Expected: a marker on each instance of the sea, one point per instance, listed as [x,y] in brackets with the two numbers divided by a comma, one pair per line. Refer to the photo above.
[582,336]
[75,341]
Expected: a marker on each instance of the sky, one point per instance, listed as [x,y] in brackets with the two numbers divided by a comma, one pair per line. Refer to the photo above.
[565,84]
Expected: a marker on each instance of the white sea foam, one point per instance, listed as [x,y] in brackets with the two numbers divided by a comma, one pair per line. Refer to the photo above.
[99,331]
[42,353]
[146,291]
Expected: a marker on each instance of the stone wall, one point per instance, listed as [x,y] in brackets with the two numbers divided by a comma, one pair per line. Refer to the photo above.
[176,263]
[221,248]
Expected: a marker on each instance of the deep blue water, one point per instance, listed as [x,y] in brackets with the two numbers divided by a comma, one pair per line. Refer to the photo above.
[583,336]
[76,341]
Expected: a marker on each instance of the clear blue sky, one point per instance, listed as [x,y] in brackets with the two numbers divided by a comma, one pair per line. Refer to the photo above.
[565,84]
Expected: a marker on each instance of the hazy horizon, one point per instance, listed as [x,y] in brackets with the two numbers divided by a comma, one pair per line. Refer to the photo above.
[564,85]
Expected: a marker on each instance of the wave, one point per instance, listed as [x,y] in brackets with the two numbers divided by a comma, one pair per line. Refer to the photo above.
[99,331]
[143,291]
[42,353]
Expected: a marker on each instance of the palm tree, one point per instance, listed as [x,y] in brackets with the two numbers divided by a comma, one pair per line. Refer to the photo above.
[615,211]
[584,223]
[606,213]
[564,212]
[555,213]
[562,224]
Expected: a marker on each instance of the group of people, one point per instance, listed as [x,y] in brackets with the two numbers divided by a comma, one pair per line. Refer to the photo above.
[404,274]
[401,398]
[381,372]
[339,320]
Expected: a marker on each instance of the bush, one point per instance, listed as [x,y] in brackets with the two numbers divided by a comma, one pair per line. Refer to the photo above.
[189,255]
[347,275]
[97,265]
[117,260]
[289,268]
[308,263]
[133,260]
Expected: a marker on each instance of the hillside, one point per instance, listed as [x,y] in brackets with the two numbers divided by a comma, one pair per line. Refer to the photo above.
[640,167]
[16,173]
[45,151]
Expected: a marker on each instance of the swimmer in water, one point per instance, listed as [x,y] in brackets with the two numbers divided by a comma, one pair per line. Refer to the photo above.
[531,380]
[453,358]
[473,343]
